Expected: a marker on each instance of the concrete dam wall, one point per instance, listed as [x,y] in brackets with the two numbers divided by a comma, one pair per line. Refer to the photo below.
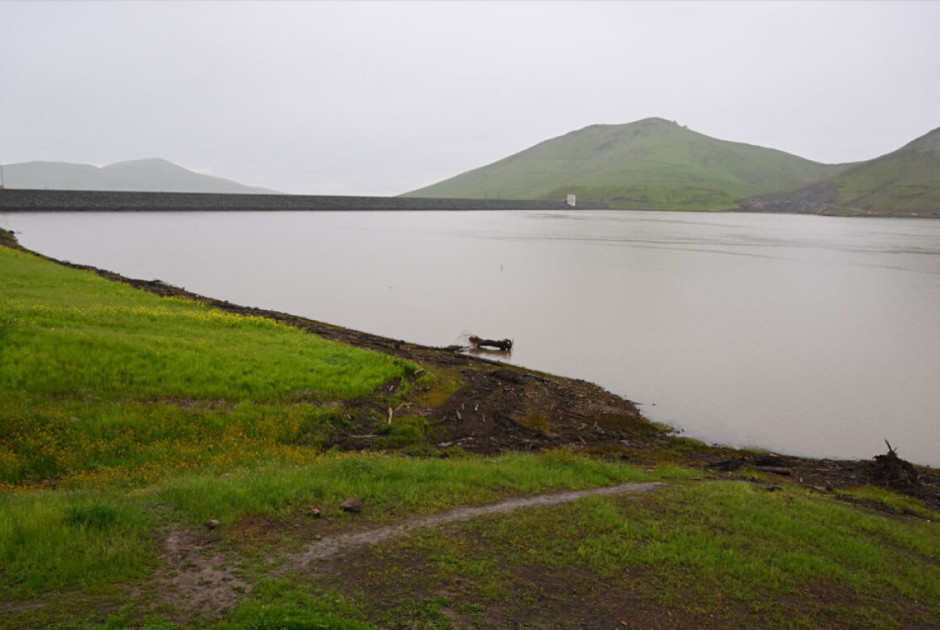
[18,200]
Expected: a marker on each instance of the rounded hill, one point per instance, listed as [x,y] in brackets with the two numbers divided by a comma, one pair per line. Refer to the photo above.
[648,164]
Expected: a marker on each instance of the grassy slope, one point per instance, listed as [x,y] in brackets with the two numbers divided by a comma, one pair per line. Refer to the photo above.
[98,379]
[649,164]
[690,555]
[907,179]
[86,551]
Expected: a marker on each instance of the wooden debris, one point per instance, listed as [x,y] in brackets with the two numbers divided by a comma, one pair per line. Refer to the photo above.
[504,345]
[893,471]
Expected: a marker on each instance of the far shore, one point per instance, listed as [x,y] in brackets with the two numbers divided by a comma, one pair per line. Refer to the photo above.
[27,200]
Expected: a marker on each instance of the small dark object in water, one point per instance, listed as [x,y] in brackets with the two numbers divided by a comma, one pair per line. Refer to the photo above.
[498,344]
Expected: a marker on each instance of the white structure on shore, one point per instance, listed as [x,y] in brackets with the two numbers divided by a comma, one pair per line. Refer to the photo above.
[571,200]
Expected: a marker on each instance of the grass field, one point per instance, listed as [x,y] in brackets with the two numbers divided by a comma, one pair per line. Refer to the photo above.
[100,380]
[129,421]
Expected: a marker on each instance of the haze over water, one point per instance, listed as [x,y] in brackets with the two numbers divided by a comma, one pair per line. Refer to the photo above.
[801,334]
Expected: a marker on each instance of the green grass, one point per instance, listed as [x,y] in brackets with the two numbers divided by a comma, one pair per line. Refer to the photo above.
[392,486]
[73,541]
[899,504]
[99,380]
[730,553]
[726,552]
[280,606]
[80,539]
[905,179]
[71,335]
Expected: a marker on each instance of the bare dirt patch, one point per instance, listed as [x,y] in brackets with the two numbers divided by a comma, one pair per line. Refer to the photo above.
[198,577]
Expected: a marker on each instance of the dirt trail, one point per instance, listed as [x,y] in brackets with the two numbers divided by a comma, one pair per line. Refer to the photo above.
[334,545]
[199,578]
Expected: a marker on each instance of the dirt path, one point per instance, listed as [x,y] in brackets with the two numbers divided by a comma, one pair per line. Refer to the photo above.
[334,545]
[200,579]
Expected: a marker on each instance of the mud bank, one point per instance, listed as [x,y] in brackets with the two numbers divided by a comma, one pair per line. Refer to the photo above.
[106,201]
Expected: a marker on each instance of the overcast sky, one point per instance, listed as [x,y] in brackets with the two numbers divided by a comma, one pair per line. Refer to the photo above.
[382,98]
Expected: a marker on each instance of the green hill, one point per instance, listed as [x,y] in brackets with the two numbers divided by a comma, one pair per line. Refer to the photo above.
[649,164]
[907,180]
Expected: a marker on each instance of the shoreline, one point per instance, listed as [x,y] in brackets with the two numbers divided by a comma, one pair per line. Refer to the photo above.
[572,413]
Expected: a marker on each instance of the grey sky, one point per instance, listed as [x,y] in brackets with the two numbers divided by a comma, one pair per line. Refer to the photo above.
[381,98]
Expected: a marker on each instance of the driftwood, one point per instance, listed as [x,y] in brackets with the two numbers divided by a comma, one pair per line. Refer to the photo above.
[894,471]
[496,344]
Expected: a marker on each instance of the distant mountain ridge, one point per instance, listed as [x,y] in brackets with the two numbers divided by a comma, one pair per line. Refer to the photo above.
[903,182]
[147,175]
[655,164]
[648,164]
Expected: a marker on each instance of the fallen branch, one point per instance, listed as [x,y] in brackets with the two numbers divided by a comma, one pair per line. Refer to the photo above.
[497,344]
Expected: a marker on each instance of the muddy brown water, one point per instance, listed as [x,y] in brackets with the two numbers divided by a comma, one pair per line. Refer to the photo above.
[810,335]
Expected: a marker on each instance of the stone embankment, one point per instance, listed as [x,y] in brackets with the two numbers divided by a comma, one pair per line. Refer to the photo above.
[107,201]
[822,198]
[816,199]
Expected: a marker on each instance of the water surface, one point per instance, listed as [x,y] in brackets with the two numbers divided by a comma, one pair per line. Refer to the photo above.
[808,335]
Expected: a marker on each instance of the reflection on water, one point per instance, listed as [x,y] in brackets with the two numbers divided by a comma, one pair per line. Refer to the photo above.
[810,335]
[496,355]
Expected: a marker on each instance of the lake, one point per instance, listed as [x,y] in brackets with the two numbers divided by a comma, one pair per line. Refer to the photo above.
[801,334]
